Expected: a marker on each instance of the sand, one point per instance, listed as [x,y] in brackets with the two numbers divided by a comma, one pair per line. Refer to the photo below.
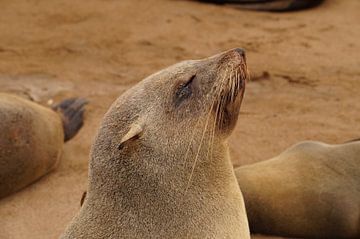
[305,69]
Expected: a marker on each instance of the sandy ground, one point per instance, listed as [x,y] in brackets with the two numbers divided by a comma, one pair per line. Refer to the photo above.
[305,69]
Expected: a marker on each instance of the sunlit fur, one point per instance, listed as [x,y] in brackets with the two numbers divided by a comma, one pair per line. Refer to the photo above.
[311,190]
[175,178]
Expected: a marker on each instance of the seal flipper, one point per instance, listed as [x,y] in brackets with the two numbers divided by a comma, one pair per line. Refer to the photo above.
[72,115]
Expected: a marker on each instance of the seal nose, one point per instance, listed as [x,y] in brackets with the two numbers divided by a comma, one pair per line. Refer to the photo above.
[241,52]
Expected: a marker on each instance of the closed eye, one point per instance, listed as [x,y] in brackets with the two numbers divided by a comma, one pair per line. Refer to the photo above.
[190,80]
[183,91]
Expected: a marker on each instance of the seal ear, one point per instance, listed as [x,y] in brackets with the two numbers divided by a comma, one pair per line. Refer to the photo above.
[135,130]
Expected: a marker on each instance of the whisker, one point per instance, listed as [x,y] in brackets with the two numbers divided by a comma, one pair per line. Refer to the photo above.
[198,151]
[212,133]
[190,142]
[232,83]
[204,131]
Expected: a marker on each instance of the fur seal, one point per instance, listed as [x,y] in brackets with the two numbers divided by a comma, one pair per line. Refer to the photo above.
[160,157]
[311,190]
[32,137]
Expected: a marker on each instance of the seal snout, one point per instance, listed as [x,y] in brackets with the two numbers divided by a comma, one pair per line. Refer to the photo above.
[237,54]
[235,60]
[240,51]
[232,78]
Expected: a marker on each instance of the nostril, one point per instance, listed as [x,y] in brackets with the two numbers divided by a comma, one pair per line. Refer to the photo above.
[240,51]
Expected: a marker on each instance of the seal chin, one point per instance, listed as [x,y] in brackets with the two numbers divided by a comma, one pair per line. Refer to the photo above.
[233,105]
[228,111]
[231,90]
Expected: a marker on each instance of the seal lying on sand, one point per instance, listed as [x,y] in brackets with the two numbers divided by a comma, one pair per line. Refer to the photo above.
[269,5]
[160,159]
[32,137]
[312,190]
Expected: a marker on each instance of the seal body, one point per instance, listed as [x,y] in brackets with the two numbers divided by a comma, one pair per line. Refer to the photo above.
[32,137]
[312,190]
[160,159]
[30,143]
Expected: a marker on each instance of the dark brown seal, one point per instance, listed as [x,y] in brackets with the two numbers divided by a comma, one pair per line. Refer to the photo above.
[32,137]
[160,159]
[269,5]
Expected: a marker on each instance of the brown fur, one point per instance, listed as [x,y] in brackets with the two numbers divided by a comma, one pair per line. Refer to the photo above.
[311,190]
[30,143]
[160,159]
[32,137]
